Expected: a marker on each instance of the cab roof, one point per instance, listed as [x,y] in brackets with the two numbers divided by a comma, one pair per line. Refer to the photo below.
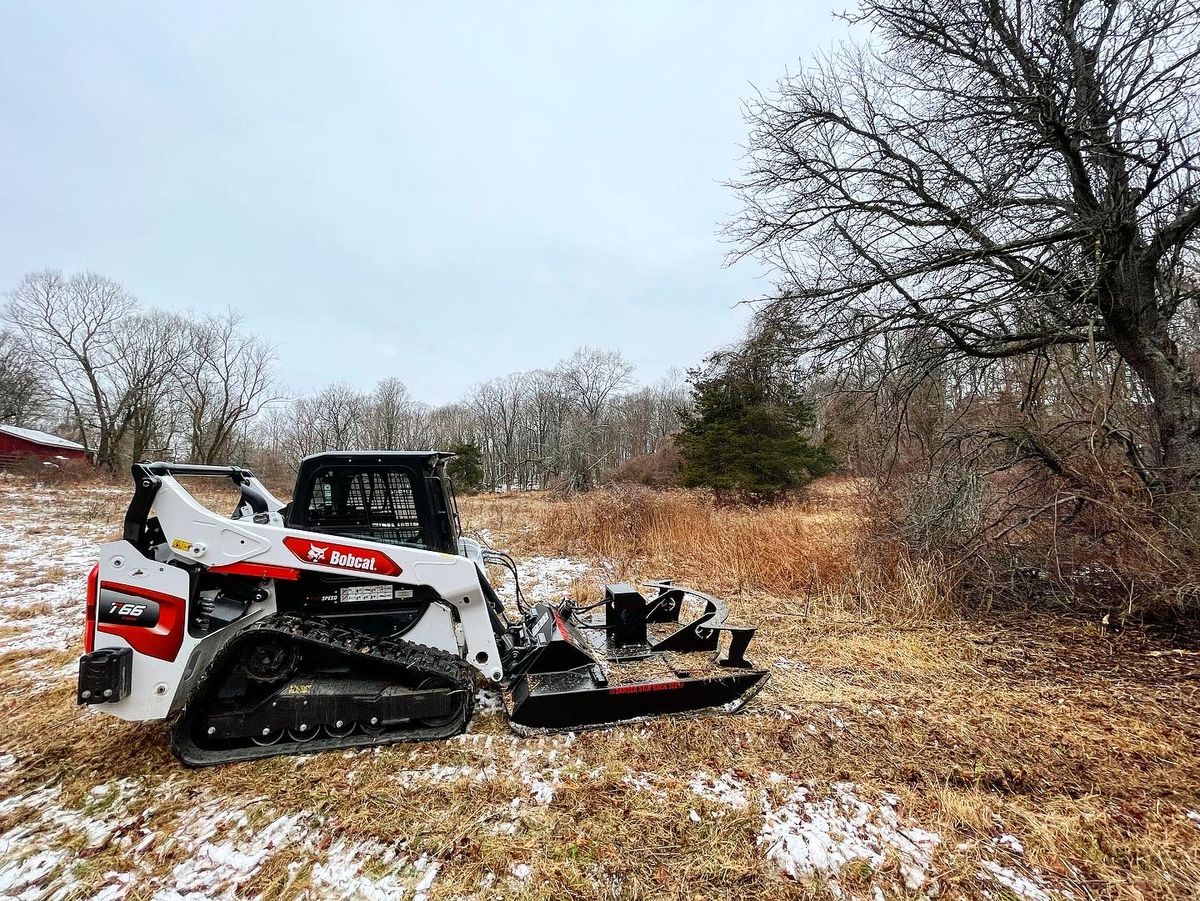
[380,456]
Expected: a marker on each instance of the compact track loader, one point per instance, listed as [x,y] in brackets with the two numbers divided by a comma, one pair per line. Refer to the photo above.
[358,615]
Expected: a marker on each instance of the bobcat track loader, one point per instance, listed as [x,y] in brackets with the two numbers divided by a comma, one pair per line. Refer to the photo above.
[357,615]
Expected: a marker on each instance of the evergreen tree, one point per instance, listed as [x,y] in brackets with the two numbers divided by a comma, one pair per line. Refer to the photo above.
[466,469]
[740,437]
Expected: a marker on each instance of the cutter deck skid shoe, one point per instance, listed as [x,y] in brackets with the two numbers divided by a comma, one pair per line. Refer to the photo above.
[358,615]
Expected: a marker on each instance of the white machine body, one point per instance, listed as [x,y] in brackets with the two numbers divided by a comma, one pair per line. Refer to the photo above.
[127,591]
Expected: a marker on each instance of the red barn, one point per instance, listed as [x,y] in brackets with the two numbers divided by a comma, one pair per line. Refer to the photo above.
[17,443]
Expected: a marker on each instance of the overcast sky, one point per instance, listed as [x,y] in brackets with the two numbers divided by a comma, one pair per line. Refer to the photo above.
[438,192]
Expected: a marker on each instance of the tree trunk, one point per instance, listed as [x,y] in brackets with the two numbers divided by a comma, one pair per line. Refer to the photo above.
[1177,419]
[1140,335]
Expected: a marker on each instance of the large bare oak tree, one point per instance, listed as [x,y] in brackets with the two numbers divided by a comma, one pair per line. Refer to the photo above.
[1002,177]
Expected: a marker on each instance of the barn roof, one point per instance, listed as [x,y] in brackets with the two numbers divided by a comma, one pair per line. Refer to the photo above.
[43,438]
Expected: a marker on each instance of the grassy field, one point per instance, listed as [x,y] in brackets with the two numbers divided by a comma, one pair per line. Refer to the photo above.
[900,750]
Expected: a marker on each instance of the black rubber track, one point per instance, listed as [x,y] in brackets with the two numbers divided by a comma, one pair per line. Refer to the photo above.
[413,661]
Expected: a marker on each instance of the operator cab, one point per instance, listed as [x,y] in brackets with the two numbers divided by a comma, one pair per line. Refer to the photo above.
[392,497]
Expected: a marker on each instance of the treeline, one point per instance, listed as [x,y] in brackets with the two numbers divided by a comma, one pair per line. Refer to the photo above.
[81,357]
[562,427]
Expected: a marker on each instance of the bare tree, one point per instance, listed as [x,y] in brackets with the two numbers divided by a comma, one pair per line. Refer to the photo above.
[227,379]
[590,380]
[333,418]
[154,351]
[499,404]
[23,397]
[390,414]
[544,423]
[1002,178]
[73,328]
[591,377]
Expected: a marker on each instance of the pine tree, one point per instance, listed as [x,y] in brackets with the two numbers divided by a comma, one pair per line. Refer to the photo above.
[740,438]
[466,469]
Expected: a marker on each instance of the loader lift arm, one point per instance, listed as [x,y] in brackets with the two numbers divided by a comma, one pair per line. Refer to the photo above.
[147,480]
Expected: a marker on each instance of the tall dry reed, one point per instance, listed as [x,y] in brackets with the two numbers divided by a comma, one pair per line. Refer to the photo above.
[818,550]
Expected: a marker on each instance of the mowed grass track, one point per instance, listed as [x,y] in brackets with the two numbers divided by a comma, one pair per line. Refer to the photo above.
[898,751]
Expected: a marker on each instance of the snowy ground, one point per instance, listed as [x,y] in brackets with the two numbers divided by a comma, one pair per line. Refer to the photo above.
[44,561]
[131,829]
[217,847]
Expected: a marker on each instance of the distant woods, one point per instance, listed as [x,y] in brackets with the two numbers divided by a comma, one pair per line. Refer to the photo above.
[566,426]
[80,356]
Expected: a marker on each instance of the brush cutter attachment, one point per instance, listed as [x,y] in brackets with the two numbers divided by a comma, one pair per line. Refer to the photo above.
[671,654]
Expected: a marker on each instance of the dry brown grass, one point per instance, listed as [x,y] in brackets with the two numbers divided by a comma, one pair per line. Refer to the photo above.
[815,550]
[784,549]
[1081,742]
[1094,772]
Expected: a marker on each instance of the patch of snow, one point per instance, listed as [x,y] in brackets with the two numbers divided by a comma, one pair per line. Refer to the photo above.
[521,872]
[1194,816]
[217,847]
[725,789]
[644,782]
[818,838]
[17,877]
[1021,886]
[428,871]
[233,860]
[787,663]
[509,826]
[1010,843]
[117,887]
[543,579]
[44,562]
[1027,884]
[537,763]
[487,701]
[541,782]
[35,800]
[341,876]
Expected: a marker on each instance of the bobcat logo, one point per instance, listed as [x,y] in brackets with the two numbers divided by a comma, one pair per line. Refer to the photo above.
[364,559]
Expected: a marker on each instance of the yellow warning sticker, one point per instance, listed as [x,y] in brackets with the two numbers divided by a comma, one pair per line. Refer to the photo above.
[180,545]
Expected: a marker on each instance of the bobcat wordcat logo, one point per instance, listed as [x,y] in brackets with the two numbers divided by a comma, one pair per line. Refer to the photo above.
[342,556]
